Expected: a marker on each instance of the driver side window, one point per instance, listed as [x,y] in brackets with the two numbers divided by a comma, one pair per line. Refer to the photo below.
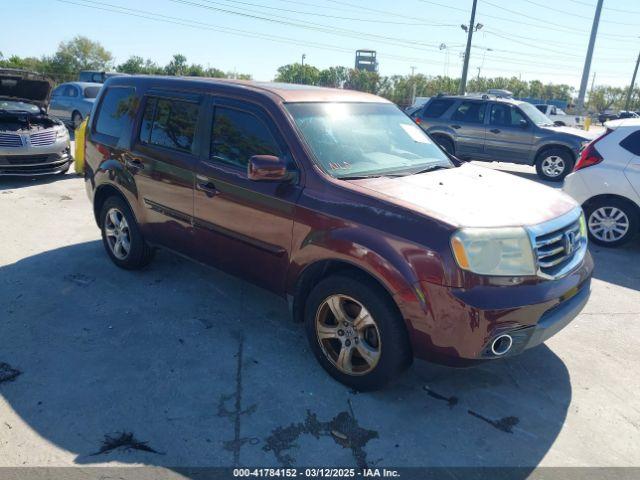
[505,115]
[238,135]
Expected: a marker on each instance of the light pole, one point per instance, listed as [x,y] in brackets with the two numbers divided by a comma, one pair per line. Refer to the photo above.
[587,60]
[482,64]
[304,55]
[633,81]
[472,27]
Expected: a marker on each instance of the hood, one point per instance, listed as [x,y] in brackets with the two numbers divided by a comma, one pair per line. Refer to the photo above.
[26,86]
[576,132]
[471,196]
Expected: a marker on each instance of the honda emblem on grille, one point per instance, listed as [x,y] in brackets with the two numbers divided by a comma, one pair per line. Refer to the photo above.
[569,240]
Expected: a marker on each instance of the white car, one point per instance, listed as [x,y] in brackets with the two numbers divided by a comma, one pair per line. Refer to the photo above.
[606,182]
[561,118]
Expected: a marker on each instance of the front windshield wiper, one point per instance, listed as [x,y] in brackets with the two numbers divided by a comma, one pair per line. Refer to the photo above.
[430,168]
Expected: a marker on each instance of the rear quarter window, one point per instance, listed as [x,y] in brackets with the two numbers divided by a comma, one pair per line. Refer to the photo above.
[169,124]
[436,108]
[632,143]
[117,108]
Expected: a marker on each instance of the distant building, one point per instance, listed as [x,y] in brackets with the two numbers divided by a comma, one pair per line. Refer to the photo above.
[366,60]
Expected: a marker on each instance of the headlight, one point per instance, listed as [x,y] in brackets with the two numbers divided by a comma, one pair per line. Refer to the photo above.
[494,251]
[62,133]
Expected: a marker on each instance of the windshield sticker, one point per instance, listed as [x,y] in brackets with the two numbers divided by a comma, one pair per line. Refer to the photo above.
[415,133]
[339,165]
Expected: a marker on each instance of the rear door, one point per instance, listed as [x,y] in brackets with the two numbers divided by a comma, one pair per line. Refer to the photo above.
[162,161]
[467,121]
[507,139]
[244,226]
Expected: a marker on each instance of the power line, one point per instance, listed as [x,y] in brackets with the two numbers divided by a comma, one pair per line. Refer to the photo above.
[332,30]
[232,31]
[355,19]
[553,9]
[633,12]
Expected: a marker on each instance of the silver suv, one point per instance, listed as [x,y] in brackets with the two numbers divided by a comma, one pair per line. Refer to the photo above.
[491,128]
[31,142]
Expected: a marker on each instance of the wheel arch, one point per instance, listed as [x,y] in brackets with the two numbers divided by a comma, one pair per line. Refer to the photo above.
[317,271]
[553,146]
[101,194]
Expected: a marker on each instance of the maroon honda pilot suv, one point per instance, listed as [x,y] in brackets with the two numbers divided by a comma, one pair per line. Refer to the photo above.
[385,247]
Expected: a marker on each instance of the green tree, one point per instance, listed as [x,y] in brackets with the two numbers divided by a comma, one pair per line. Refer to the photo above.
[297,73]
[79,53]
[177,65]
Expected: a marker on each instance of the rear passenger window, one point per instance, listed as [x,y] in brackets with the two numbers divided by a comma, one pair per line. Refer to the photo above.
[632,143]
[435,108]
[239,135]
[472,112]
[169,123]
[118,106]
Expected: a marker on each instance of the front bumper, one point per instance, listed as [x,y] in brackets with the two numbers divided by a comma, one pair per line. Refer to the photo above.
[35,164]
[457,326]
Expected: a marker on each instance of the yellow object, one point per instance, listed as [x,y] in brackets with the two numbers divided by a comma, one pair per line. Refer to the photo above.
[587,123]
[460,254]
[78,154]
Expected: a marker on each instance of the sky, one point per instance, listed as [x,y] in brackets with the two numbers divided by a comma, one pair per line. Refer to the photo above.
[530,39]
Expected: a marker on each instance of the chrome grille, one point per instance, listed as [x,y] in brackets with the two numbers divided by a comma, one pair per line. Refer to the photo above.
[10,140]
[557,249]
[42,139]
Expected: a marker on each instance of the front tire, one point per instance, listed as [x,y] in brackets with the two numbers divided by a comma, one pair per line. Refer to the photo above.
[611,222]
[356,332]
[554,164]
[121,235]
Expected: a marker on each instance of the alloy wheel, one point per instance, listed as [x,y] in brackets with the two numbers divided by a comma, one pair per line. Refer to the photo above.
[348,335]
[118,234]
[553,166]
[608,224]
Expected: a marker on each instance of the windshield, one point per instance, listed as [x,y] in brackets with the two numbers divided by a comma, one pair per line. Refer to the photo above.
[535,115]
[16,105]
[91,92]
[365,139]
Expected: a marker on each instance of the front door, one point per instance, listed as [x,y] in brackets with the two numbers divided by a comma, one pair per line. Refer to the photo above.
[244,226]
[162,161]
[467,121]
[509,134]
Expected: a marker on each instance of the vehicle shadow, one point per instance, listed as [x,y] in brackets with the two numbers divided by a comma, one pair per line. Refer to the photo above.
[184,366]
[14,183]
[618,265]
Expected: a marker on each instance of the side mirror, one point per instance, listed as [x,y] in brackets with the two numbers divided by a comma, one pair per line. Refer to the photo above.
[267,167]
[523,124]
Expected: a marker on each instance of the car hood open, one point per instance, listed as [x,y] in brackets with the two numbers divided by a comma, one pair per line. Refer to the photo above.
[26,86]
[472,196]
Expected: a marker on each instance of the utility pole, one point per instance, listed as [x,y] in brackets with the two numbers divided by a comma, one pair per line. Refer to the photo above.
[413,86]
[304,55]
[587,61]
[467,52]
[633,81]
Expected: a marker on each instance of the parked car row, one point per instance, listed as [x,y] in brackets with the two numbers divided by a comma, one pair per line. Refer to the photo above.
[382,243]
[607,116]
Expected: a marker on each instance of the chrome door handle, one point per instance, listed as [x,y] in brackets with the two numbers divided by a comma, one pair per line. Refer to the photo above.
[205,185]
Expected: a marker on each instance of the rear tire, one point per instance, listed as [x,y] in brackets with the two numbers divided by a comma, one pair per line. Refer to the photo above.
[554,164]
[611,222]
[365,345]
[121,235]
